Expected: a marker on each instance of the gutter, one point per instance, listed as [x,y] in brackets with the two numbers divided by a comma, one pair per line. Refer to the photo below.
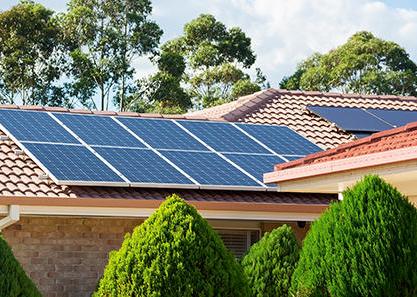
[12,217]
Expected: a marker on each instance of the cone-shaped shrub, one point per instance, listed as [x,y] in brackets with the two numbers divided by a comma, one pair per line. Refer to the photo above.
[174,253]
[363,246]
[13,280]
[270,263]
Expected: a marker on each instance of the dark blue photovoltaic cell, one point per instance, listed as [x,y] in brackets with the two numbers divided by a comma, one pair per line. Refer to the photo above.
[162,134]
[256,165]
[281,139]
[72,163]
[209,169]
[99,130]
[223,137]
[34,126]
[350,119]
[142,166]
[292,158]
[396,118]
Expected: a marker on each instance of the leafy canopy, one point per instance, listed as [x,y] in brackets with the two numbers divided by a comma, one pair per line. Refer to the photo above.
[13,280]
[31,55]
[362,246]
[108,35]
[173,253]
[270,263]
[214,57]
[364,64]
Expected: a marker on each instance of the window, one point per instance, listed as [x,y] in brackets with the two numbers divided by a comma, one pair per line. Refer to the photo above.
[238,241]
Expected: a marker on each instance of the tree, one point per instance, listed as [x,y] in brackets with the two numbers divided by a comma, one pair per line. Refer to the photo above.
[31,55]
[214,56]
[162,92]
[173,253]
[270,263]
[362,246]
[108,36]
[364,64]
[13,280]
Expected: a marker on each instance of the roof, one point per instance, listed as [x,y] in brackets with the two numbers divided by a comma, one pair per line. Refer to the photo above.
[389,140]
[21,178]
[283,107]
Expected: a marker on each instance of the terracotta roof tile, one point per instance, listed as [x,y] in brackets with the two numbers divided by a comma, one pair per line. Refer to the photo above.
[284,107]
[401,137]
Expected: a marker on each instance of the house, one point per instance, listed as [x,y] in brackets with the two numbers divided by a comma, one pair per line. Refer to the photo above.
[391,154]
[62,232]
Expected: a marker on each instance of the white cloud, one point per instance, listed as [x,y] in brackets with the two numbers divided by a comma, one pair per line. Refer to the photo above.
[285,32]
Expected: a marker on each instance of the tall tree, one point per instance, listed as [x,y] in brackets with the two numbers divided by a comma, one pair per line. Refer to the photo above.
[364,64]
[109,34]
[31,55]
[215,57]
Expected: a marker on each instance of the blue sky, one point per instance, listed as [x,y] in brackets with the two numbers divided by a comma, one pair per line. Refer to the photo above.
[285,32]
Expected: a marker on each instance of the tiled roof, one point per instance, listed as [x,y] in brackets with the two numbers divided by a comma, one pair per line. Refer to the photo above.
[21,177]
[283,107]
[398,138]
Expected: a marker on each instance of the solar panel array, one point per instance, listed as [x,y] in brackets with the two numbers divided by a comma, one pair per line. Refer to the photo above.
[364,122]
[76,149]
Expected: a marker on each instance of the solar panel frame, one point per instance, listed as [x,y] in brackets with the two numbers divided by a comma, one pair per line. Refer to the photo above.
[71,182]
[362,121]
[396,118]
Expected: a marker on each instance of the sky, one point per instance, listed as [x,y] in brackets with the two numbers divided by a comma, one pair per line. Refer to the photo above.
[284,33]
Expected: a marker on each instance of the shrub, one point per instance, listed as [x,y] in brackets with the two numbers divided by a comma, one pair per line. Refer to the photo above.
[173,253]
[270,263]
[363,246]
[13,280]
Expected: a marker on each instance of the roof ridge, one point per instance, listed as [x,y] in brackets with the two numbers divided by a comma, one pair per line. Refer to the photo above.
[349,145]
[109,113]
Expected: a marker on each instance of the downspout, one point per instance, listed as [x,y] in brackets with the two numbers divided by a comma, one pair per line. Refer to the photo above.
[12,217]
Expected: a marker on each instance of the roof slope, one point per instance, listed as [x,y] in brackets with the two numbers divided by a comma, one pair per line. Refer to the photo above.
[389,140]
[283,107]
[20,177]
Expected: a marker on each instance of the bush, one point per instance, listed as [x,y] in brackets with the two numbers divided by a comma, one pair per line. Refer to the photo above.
[173,253]
[363,246]
[270,263]
[13,280]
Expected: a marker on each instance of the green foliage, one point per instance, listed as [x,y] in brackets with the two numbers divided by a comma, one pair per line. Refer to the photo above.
[270,263]
[364,64]
[362,246]
[31,59]
[108,35]
[173,253]
[214,56]
[13,280]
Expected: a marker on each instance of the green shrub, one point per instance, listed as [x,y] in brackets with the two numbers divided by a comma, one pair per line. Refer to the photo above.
[270,263]
[365,245]
[174,253]
[13,280]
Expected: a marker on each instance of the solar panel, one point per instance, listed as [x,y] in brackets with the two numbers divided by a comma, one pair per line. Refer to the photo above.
[223,137]
[95,130]
[350,119]
[34,126]
[281,139]
[73,163]
[143,166]
[395,117]
[126,151]
[162,134]
[209,169]
[256,165]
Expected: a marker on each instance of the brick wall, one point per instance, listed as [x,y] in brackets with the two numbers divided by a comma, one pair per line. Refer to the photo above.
[65,257]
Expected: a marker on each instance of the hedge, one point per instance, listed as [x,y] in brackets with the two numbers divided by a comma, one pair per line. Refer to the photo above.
[173,253]
[270,263]
[363,246]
